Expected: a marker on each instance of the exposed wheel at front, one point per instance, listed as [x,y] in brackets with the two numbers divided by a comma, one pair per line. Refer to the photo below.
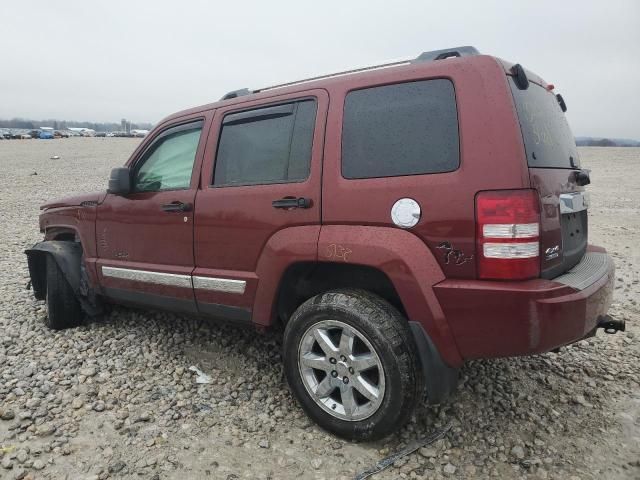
[63,308]
[351,363]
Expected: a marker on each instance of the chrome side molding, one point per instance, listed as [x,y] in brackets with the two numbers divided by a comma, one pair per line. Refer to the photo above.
[574,202]
[226,285]
[219,284]
[157,278]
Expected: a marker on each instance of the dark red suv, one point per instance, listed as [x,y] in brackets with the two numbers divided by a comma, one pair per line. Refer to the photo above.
[396,220]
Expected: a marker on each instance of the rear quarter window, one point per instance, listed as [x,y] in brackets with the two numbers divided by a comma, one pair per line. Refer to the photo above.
[548,140]
[402,129]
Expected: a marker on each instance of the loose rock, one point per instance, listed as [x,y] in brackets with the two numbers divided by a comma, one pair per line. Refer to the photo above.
[6,414]
[116,392]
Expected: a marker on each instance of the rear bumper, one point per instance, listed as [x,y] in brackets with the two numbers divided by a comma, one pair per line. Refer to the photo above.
[505,319]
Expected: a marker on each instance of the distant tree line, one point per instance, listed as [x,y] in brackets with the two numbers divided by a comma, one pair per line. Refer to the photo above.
[606,142]
[596,142]
[64,124]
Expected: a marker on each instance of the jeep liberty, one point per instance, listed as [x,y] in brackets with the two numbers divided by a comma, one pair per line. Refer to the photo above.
[395,221]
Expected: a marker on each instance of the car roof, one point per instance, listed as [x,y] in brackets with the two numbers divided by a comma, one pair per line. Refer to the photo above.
[424,62]
[457,54]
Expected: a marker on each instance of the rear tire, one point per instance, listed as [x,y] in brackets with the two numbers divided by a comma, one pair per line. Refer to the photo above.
[362,389]
[63,308]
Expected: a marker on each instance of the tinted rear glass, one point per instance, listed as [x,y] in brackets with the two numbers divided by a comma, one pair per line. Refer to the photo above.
[266,145]
[548,140]
[403,129]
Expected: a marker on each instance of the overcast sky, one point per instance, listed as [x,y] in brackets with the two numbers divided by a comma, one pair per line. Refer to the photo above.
[102,61]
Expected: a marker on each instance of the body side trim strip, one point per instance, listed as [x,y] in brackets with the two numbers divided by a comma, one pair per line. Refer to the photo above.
[225,285]
[159,278]
[219,284]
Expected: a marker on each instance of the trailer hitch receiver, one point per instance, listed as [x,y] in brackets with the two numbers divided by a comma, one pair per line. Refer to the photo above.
[610,324]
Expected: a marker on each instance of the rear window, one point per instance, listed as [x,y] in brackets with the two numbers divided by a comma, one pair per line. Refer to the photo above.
[403,129]
[548,140]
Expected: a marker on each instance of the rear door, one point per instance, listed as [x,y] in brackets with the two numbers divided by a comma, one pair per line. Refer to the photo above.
[261,175]
[553,162]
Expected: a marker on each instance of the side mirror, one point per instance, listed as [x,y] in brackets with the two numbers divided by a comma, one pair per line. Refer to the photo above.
[120,181]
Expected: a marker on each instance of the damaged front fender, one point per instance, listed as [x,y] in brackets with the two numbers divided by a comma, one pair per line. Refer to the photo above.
[68,257]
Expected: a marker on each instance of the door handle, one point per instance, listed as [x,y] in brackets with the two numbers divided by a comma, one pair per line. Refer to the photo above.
[177,207]
[292,202]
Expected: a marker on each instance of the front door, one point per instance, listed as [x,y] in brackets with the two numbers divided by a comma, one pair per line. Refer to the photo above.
[261,177]
[145,238]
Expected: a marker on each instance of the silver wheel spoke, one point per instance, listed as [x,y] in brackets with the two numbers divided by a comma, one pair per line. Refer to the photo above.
[348,402]
[319,362]
[369,391]
[346,342]
[363,362]
[325,342]
[325,387]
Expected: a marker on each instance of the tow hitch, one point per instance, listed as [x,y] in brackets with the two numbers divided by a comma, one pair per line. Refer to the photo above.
[610,324]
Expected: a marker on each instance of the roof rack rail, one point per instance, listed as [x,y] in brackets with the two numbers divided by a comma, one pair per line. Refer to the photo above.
[466,51]
[337,74]
[237,93]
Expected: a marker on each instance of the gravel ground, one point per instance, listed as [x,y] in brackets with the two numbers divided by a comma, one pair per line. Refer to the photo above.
[115,398]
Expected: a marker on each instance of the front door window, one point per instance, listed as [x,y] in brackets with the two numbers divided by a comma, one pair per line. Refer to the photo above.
[168,164]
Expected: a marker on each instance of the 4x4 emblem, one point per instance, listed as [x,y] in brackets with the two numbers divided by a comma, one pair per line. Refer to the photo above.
[552,252]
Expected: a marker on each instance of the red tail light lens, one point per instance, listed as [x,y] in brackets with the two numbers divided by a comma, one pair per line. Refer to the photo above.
[508,234]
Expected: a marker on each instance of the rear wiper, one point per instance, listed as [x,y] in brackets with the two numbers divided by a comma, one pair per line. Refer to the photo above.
[561,102]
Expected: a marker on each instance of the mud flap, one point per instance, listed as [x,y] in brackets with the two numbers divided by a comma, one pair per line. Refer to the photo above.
[440,379]
[68,257]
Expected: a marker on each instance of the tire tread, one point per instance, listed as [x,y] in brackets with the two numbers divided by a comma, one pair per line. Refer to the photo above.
[393,327]
[63,308]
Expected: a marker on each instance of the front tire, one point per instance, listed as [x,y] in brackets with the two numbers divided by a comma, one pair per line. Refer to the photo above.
[63,308]
[351,363]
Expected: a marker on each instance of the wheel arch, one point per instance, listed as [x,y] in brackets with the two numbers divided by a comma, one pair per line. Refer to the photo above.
[66,234]
[409,265]
[68,256]
[399,260]
[303,280]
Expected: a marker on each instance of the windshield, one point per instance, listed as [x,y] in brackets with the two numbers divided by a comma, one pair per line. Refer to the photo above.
[548,140]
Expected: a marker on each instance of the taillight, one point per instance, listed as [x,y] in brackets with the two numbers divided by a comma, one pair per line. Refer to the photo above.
[508,234]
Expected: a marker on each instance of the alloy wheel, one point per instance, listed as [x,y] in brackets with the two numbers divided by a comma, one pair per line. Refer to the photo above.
[341,370]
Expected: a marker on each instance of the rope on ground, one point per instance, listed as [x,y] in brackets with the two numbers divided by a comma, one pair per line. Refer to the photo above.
[412,447]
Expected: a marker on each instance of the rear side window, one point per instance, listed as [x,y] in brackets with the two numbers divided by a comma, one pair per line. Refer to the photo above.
[548,140]
[403,129]
[266,145]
